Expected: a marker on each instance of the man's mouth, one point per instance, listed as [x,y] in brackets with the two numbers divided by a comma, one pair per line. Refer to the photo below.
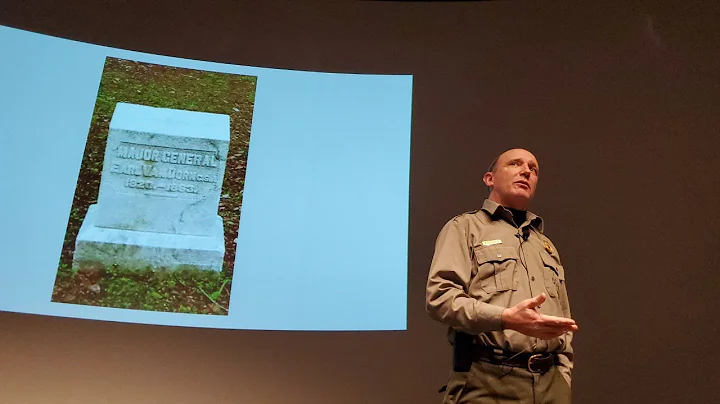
[524,183]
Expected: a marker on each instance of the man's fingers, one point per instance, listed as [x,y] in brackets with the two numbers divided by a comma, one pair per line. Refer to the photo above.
[556,325]
[562,328]
[553,320]
[535,301]
[552,332]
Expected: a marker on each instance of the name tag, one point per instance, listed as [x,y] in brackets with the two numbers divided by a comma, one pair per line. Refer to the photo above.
[491,242]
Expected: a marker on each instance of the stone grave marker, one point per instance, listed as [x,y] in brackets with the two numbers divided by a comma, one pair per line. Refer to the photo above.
[159,192]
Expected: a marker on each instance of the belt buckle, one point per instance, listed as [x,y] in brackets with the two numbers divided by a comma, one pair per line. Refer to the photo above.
[530,361]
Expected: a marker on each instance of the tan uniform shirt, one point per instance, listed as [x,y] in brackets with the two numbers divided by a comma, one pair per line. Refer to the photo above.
[482,265]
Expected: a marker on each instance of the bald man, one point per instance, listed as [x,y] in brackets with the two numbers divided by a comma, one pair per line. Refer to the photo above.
[498,283]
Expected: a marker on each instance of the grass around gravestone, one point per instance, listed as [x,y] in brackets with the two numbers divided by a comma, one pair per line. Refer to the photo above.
[184,291]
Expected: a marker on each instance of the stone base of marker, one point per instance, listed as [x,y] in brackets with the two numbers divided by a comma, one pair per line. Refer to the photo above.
[102,247]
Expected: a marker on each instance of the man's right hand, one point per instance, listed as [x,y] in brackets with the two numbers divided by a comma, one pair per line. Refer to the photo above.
[524,319]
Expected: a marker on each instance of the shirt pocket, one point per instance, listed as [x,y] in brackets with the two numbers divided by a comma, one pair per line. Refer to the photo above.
[554,274]
[496,268]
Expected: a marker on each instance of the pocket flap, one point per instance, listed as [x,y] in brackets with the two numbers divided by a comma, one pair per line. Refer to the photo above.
[553,263]
[495,254]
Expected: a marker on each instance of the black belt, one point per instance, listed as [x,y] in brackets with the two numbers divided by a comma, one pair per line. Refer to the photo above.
[535,362]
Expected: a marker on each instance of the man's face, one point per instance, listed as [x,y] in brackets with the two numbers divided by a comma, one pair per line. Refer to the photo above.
[514,179]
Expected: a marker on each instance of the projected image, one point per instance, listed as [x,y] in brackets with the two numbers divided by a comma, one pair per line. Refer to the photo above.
[169,191]
[156,210]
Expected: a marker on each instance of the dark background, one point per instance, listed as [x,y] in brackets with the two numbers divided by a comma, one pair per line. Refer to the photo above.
[619,101]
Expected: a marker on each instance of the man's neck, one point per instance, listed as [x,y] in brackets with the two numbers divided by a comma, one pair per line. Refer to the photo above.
[517,204]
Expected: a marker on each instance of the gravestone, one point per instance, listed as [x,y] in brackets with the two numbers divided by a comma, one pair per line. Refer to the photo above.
[159,192]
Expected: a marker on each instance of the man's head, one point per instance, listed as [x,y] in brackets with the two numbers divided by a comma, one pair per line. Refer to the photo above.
[513,178]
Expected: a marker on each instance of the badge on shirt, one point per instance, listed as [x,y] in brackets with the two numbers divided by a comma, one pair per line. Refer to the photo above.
[548,247]
[491,242]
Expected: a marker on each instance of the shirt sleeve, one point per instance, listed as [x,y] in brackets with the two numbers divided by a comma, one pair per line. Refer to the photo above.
[450,274]
[566,356]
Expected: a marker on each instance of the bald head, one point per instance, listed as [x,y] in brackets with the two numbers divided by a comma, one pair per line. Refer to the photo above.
[513,178]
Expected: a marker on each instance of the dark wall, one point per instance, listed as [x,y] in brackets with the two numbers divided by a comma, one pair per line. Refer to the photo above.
[619,102]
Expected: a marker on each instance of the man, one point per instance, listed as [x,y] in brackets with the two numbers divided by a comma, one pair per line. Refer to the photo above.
[497,281]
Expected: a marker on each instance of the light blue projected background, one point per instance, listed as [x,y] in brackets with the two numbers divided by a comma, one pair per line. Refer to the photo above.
[323,233]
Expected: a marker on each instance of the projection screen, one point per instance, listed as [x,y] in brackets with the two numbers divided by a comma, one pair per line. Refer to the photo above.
[157,190]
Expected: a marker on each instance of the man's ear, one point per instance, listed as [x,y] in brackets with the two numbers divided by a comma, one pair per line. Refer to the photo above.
[488,179]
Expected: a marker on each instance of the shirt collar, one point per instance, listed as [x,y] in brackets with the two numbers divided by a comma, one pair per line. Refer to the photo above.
[497,211]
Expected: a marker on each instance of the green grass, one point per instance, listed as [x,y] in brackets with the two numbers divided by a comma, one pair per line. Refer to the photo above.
[162,291]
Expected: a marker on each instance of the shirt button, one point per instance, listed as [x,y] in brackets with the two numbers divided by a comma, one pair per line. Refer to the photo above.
[499,255]
[532,278]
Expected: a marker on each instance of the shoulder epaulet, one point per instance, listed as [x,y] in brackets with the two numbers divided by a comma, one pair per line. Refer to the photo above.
[470,212]
[464,214]
[478,213]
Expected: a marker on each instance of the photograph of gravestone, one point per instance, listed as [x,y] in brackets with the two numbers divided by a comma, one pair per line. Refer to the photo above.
[157,205]
[159,192]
